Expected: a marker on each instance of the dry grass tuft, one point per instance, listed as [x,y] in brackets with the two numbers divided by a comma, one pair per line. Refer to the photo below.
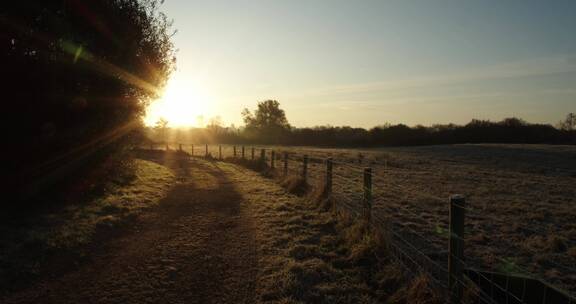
[320,196]
[389,279]
[295,185]
[556,244]
[302,252]
[550,244]
[420,291]
[365,244]
[256,165]
[572,252]
[367,249]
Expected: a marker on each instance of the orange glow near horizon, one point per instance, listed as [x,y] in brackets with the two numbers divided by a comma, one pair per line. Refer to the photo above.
[182,105]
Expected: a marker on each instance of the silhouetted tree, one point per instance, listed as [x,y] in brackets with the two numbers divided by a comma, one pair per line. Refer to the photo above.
[569,123]
[268,121]
[214,127]
[513,122]
[215,123]
[161,127]
[77,76]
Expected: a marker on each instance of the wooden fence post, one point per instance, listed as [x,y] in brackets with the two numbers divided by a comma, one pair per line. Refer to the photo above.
[167,148]
[180,147]
[234,147]
[263,156]
[368,193]
[285,163]
[220,152]
[272,158]
[329,176]
[305,167]
[456,248]
[206,152]
[242,152]
[192,150]
[252,153]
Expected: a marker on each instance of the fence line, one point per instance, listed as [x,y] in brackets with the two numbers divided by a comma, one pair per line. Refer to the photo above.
[357,195]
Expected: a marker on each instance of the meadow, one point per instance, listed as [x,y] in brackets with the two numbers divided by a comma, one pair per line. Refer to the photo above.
[519,213]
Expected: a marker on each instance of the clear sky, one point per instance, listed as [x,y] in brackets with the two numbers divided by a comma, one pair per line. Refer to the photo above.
[364,63]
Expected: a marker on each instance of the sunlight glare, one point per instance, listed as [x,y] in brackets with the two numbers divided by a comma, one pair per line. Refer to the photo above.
[182,105]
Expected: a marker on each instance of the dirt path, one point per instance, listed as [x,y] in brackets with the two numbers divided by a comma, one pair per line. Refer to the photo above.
[197,247]
[223,234]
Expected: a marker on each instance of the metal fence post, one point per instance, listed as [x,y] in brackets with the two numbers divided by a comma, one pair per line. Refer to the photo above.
[456,248]
[285,163]
[305,167]
[368,193]
[272,158]
[329,176]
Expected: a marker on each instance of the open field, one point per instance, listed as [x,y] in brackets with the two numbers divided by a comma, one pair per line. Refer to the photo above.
[520,214]
[520,201]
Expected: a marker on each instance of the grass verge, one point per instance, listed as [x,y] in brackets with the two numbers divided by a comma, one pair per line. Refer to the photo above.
[29,244]
[324,255]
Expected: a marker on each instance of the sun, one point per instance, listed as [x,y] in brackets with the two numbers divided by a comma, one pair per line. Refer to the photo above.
[182,105]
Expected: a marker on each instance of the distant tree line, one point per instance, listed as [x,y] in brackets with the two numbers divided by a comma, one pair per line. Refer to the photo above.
[268,125]
[509,130]
[77,76]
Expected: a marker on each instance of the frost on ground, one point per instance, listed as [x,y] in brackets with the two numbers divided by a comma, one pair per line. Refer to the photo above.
[225,234]
[520,213]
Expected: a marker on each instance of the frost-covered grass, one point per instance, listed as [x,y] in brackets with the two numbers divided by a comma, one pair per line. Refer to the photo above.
[520,199]
[65,231]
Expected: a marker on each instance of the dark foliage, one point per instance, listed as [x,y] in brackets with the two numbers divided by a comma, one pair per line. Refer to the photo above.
[76,78]
[510,130]
[569,123]
[268,123]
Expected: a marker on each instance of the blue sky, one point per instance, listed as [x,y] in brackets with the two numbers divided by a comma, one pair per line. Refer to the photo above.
[364,63]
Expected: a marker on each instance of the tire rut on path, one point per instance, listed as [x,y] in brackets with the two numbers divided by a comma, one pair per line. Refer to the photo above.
[198,246]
